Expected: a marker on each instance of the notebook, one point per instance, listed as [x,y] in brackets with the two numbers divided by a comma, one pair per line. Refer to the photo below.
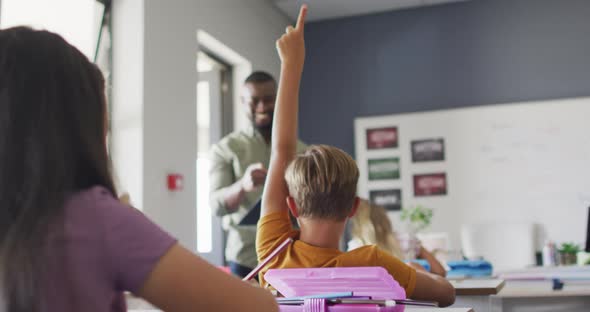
[253,215]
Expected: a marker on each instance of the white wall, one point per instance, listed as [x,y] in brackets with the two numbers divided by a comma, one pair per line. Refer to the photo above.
[155,48]
[248,27]
[510,163]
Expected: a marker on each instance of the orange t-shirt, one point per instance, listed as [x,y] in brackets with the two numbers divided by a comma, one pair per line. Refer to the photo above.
[276,227]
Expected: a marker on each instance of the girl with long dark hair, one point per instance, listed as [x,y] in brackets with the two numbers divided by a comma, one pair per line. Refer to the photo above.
[66,242]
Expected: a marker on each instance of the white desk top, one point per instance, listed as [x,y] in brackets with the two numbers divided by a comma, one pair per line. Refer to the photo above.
[407,309]
[138,305]
[539,273]
[536,282]
[413,309]
[477,287]
[537,289]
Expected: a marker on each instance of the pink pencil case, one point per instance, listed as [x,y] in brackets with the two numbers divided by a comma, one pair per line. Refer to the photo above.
[364,282]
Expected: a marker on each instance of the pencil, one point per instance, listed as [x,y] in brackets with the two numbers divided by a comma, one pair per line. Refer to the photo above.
[265,262]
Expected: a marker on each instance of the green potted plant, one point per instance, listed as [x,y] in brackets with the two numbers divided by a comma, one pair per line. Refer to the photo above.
[417,219]
[567,253]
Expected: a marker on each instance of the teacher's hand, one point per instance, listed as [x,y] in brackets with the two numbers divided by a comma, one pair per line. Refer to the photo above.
[254,177]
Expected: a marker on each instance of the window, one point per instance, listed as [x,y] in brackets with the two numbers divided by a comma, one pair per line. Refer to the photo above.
[78,21]
[83,23]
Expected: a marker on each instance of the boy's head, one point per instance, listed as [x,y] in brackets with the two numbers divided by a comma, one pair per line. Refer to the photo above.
[322,182]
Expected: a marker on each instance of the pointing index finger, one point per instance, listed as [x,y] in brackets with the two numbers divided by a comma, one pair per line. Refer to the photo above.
[301,19]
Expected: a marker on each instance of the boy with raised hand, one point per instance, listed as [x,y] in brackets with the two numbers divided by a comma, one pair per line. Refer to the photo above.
[319,188]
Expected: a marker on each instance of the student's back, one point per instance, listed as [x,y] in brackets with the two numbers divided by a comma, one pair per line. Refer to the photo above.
[108,248]
[275,228]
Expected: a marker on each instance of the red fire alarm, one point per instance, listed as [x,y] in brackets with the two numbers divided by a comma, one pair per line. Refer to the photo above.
[175,182]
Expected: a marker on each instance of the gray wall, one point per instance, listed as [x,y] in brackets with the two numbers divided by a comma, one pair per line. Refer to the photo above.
[465,54]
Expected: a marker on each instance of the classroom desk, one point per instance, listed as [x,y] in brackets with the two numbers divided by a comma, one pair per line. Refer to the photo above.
[528,290]
[476,293]
[477,287]
[417,309]
[138,305]
[529,296]
[406,310]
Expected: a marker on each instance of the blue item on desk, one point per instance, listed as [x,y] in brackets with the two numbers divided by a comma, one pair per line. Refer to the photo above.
[422,262]
[557,284]
[469,268]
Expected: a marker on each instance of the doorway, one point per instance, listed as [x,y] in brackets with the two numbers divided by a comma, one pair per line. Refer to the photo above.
[214,121]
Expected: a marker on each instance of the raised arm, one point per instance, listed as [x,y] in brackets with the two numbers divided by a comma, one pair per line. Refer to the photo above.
[291,49]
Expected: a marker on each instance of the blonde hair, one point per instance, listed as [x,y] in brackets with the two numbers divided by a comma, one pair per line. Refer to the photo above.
[322,181]
[371,226]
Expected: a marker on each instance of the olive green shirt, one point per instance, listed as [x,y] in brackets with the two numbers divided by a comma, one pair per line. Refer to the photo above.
[229,160]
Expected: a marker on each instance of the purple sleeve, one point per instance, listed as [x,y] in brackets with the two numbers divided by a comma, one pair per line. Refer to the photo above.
[133,244]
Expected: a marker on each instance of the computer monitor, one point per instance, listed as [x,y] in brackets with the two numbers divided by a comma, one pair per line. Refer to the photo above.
[588,232]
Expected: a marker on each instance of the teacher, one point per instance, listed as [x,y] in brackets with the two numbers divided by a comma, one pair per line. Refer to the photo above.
[238,172]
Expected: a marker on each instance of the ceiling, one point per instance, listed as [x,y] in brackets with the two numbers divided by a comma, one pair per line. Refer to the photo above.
[329,9]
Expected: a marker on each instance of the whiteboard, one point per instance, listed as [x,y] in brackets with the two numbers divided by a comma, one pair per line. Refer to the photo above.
[520,162]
